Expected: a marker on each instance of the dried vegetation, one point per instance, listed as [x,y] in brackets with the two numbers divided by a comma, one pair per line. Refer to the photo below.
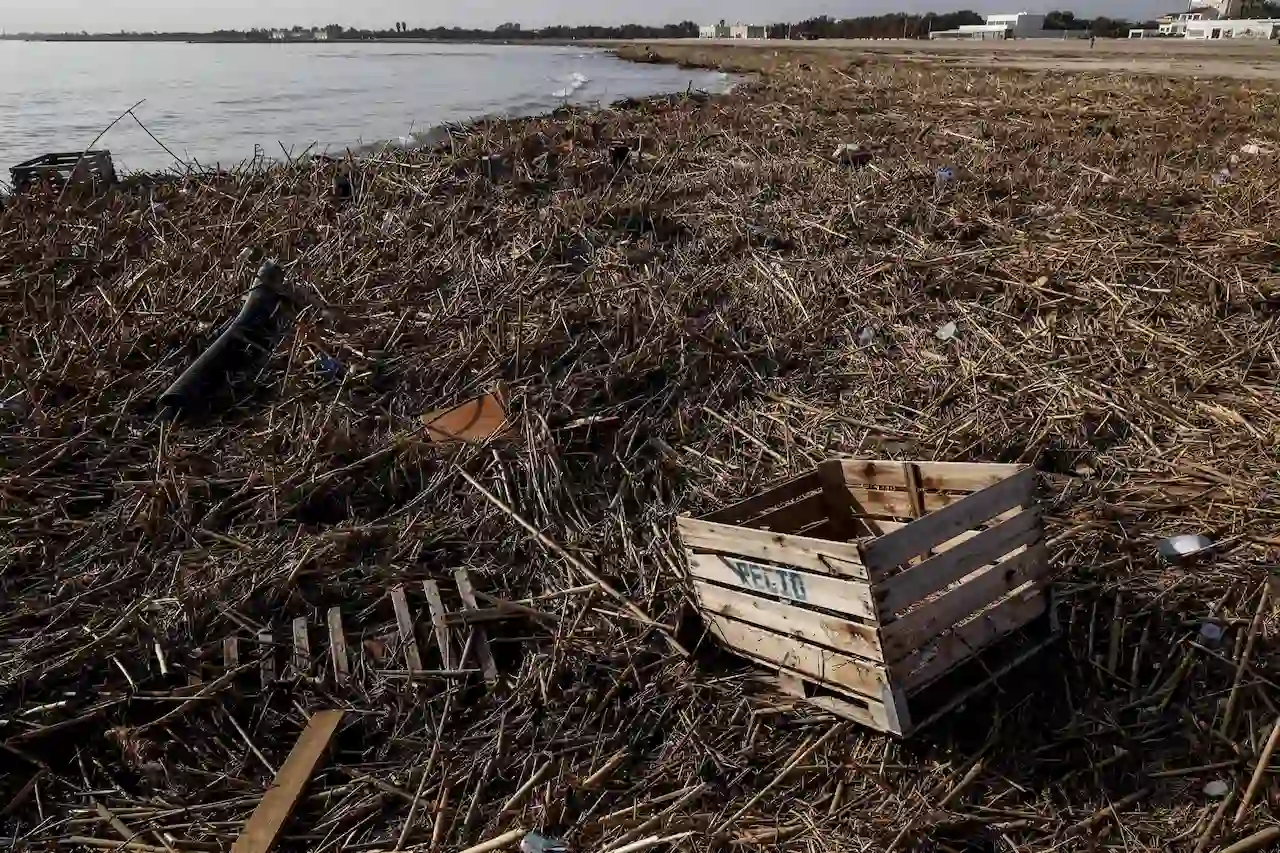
[677,326]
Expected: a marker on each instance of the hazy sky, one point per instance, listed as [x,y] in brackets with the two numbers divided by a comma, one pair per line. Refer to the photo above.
[112,15]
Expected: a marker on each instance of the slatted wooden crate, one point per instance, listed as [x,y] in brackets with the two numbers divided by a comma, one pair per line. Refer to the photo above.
[887,592]
[91,167]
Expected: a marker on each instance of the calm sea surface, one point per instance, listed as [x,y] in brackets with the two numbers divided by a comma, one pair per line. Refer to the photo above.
[215,102]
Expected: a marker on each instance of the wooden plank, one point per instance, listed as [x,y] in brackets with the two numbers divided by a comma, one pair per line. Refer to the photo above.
[230,652]
[872,715]
[894,503]
[941,570]
[893,549]
[481,642]
[839,505]
[747,509]
[915,491]
[792,517]
[936,476]
[267,649]
[849,597]
[277,804]
[905,635]
[936,658]
[438,616]
[301,648]
[840,559]
[853,637]
[338,647]
[404,624]
[861,677]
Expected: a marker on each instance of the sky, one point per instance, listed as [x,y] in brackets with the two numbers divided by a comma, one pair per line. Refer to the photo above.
[197,15]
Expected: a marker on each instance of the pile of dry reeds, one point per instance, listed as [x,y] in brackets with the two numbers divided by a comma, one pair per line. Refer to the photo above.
[676,325]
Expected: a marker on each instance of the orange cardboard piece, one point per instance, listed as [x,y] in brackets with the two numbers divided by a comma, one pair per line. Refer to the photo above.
[477,420]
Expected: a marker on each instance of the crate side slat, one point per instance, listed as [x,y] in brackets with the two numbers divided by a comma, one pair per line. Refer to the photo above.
[813,662]
[893,549]
[968,693]
[945,568]
[850,597]
[839,505]
[936,476]
[905,635]
[845,635]
[918,669]
[897,504]
[747,509]
[872,714]
[839,559]
[792,517]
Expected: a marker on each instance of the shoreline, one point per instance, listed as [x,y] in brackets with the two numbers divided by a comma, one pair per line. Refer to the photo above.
[680,304]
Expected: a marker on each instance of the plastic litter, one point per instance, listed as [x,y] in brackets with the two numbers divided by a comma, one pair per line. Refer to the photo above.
[947,332]
[536,842]
[1211,632]
[849,154]
[1183,546]
[866,336]
[941,178]
[1216,788]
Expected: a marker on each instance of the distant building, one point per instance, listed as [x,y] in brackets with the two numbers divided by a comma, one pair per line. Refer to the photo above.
[1177,23]
[714,31]
[1265,28]
[748,31]
[1021,25]
[320,35]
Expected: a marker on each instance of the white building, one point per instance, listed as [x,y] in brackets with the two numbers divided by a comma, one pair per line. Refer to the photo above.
[1021,25]
[714,31]
[748,31]
[1176,23]
[1265,28]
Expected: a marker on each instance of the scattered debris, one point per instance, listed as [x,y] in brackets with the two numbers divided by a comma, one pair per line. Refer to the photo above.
[90,168]
[1186,545]
[477,420]
[1211,633]
[232,345]
[1216,788]
[850,154]
[946,332]
[536,842]
[866,336]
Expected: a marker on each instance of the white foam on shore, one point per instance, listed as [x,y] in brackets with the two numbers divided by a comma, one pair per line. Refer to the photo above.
[576,81]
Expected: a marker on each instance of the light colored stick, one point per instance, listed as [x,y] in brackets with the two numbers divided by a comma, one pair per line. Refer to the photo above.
[1229,715]
[404,622]
[1259,774]
[527,788]
[301,648]
[436,605]
[1258,841]
[554,547]
[782,774]
[506,839]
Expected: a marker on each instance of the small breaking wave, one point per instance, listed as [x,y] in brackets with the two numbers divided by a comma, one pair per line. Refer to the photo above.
[576,81]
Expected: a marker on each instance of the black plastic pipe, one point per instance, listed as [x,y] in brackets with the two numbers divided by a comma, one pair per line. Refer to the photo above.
[259,305]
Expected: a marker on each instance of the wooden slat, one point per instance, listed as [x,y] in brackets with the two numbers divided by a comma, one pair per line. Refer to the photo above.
[230,652]
[481,642]
[839,505]
[404,624]
[937,527]
[941,570]
[934,659]
[267,649]
[843,596]
[273,810]
[301,648]
[766,500]
[872,715]
[792,517]
[897,503]
[861,677]
[913,630]
[338,646]
[937,476]
[840,559]
[436,605]
[853,637]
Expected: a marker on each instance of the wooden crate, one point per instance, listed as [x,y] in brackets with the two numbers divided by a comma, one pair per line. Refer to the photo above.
[887,592]
[93,167]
